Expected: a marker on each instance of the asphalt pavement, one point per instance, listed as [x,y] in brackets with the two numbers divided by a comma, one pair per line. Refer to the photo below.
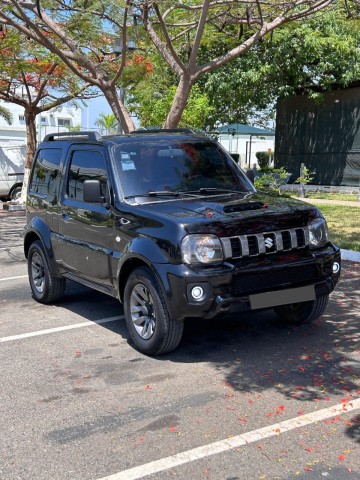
[242,398]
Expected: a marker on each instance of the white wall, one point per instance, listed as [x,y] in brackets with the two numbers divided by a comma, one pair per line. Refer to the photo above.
[241,144]
[51,121]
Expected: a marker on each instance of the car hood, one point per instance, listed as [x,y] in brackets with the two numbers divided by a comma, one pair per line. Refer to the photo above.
[234,214]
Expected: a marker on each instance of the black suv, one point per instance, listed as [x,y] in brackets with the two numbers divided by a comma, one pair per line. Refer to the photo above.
[166,222]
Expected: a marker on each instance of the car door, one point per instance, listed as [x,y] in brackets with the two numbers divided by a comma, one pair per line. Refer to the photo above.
[85,230]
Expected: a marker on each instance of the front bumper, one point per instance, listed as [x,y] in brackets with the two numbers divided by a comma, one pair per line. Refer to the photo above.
[256,283]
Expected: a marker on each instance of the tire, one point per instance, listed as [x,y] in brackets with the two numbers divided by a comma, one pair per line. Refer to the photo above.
[149,325]
[16,193]
[302,313]
[45,287]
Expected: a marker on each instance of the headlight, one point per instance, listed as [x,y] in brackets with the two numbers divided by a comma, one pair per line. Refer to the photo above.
[318,232]
[205,249]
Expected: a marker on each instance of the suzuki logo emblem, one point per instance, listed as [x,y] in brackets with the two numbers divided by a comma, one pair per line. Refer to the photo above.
[269,243]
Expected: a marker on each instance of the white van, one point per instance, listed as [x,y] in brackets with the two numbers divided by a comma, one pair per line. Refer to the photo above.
[12,159]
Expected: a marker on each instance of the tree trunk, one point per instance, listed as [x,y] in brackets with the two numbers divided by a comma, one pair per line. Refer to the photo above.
[179,102]
[30,122]
[119,110]
[22,199]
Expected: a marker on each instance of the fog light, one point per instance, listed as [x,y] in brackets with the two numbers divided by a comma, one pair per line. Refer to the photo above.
[336,267]
[197,293]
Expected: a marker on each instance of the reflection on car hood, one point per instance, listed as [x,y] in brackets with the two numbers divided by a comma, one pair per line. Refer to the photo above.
[258,212]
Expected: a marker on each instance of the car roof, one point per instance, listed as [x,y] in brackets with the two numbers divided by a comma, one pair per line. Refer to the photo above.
[93,136]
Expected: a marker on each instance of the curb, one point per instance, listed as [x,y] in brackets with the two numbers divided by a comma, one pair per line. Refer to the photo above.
[11,207]
[350,255]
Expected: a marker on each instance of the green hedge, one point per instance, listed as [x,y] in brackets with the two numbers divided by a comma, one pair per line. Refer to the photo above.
[263,159]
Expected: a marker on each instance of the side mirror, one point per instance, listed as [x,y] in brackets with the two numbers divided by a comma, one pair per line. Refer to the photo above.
[92,192]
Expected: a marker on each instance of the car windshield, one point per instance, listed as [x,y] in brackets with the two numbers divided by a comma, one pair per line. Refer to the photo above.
[168,169]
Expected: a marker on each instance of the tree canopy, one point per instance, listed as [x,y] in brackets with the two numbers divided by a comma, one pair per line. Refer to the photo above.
[82,35]
[181,31]
[319,53]
[36,80]
[308,57]
[192,37]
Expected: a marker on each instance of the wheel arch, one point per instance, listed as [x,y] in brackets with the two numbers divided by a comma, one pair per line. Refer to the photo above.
[126,269]
[38,230]
[16,185]
[142,252]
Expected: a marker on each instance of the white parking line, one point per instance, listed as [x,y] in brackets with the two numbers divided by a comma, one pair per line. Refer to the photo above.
[12,278]
[233,442]
[60,329]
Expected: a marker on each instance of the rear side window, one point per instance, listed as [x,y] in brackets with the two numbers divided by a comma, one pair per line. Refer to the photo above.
[85,165]
[46,173]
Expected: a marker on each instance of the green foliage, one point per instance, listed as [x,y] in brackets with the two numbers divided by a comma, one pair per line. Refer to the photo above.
[272,179]
[197,109]
[75,128]
[35,79]
[305,177]
[307,57]
[6,115]
[152,98]
[311,55]
[107,122]
[314,55]
[239,92]
[263,159]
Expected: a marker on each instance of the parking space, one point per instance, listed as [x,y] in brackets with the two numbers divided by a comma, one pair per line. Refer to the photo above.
[241,397]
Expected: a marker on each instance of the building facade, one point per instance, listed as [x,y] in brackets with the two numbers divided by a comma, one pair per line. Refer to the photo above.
[56,120]
[246,141]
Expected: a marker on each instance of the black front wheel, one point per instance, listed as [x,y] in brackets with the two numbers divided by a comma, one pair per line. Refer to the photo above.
[150,327]
[44,286]
[303,312]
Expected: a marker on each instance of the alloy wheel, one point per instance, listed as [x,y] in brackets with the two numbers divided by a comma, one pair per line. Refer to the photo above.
[38,272]
[142,311]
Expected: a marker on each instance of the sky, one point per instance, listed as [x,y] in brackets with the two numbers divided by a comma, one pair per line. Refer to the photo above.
[91,113]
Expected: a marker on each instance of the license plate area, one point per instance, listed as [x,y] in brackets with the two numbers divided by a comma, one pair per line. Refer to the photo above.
[282,297]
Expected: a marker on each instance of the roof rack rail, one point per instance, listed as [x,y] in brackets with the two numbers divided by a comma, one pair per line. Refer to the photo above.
[50,137]
[163,130]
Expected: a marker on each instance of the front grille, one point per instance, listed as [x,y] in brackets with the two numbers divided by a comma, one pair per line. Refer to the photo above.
[249,282]
[265,243]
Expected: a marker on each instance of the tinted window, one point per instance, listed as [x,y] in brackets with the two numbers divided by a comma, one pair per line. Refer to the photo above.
[176,166]
[85,165]
[46,172]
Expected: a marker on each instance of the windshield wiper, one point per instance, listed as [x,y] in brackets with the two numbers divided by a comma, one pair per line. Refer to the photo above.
[188,193]
[162,193]
[205,190]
